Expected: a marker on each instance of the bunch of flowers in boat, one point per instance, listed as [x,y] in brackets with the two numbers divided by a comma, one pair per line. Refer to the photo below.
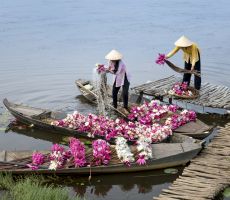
[152,120]
[181,89]
[99,154]
[108,128]
[177,120]
[151,112]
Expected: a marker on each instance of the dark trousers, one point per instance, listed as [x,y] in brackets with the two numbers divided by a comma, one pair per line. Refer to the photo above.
[125,93]
[187,77]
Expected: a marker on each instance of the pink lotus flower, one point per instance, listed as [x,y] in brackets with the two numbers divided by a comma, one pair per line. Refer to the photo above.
[141,160]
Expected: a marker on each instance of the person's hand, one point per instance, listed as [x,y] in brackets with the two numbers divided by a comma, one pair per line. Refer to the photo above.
[108,70]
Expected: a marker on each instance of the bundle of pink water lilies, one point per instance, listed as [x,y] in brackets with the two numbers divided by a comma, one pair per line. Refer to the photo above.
[181,89]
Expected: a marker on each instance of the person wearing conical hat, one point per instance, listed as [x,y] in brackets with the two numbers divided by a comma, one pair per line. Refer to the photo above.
[121,78]
[191,57]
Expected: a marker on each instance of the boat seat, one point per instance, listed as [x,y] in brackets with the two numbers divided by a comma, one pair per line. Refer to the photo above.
[29,111]
[88,87]
[43,115]
[58,115]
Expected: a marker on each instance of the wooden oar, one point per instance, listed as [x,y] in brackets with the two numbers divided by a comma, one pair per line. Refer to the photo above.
[180,70]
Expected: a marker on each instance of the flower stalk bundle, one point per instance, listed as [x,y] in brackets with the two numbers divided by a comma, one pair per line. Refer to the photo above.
[37,160]
[77,150]
[101,152]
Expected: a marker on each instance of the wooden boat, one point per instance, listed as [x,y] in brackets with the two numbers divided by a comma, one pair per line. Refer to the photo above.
[180,150]
[196,129]
[42,118]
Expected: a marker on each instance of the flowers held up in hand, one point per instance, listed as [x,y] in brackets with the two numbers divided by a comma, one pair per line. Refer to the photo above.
[100,68]
[161,59]
[181,89]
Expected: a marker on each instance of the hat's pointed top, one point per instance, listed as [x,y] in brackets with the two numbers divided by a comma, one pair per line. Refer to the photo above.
[183,42]
[114,55]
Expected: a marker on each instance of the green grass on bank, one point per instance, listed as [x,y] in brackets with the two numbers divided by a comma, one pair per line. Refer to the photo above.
[31,188]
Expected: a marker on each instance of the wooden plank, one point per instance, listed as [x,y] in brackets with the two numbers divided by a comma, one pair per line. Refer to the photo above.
[207,174]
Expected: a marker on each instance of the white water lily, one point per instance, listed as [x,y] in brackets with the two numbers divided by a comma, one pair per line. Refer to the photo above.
[123,151]
[144,147]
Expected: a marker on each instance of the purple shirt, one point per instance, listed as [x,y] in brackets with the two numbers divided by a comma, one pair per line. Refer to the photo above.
[119,76]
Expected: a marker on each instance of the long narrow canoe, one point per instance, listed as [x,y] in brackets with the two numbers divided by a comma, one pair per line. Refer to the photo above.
[42,118]
[179,151]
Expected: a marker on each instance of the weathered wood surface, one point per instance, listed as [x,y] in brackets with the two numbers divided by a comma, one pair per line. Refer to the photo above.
[207,175]
[210,95]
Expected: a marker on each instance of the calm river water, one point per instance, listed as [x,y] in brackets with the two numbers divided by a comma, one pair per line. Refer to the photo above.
[45,45]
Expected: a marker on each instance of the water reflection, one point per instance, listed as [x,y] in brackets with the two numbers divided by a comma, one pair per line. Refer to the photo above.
[135,184]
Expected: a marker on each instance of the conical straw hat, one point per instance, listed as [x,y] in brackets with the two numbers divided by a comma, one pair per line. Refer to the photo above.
[114,55]
[183,42]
